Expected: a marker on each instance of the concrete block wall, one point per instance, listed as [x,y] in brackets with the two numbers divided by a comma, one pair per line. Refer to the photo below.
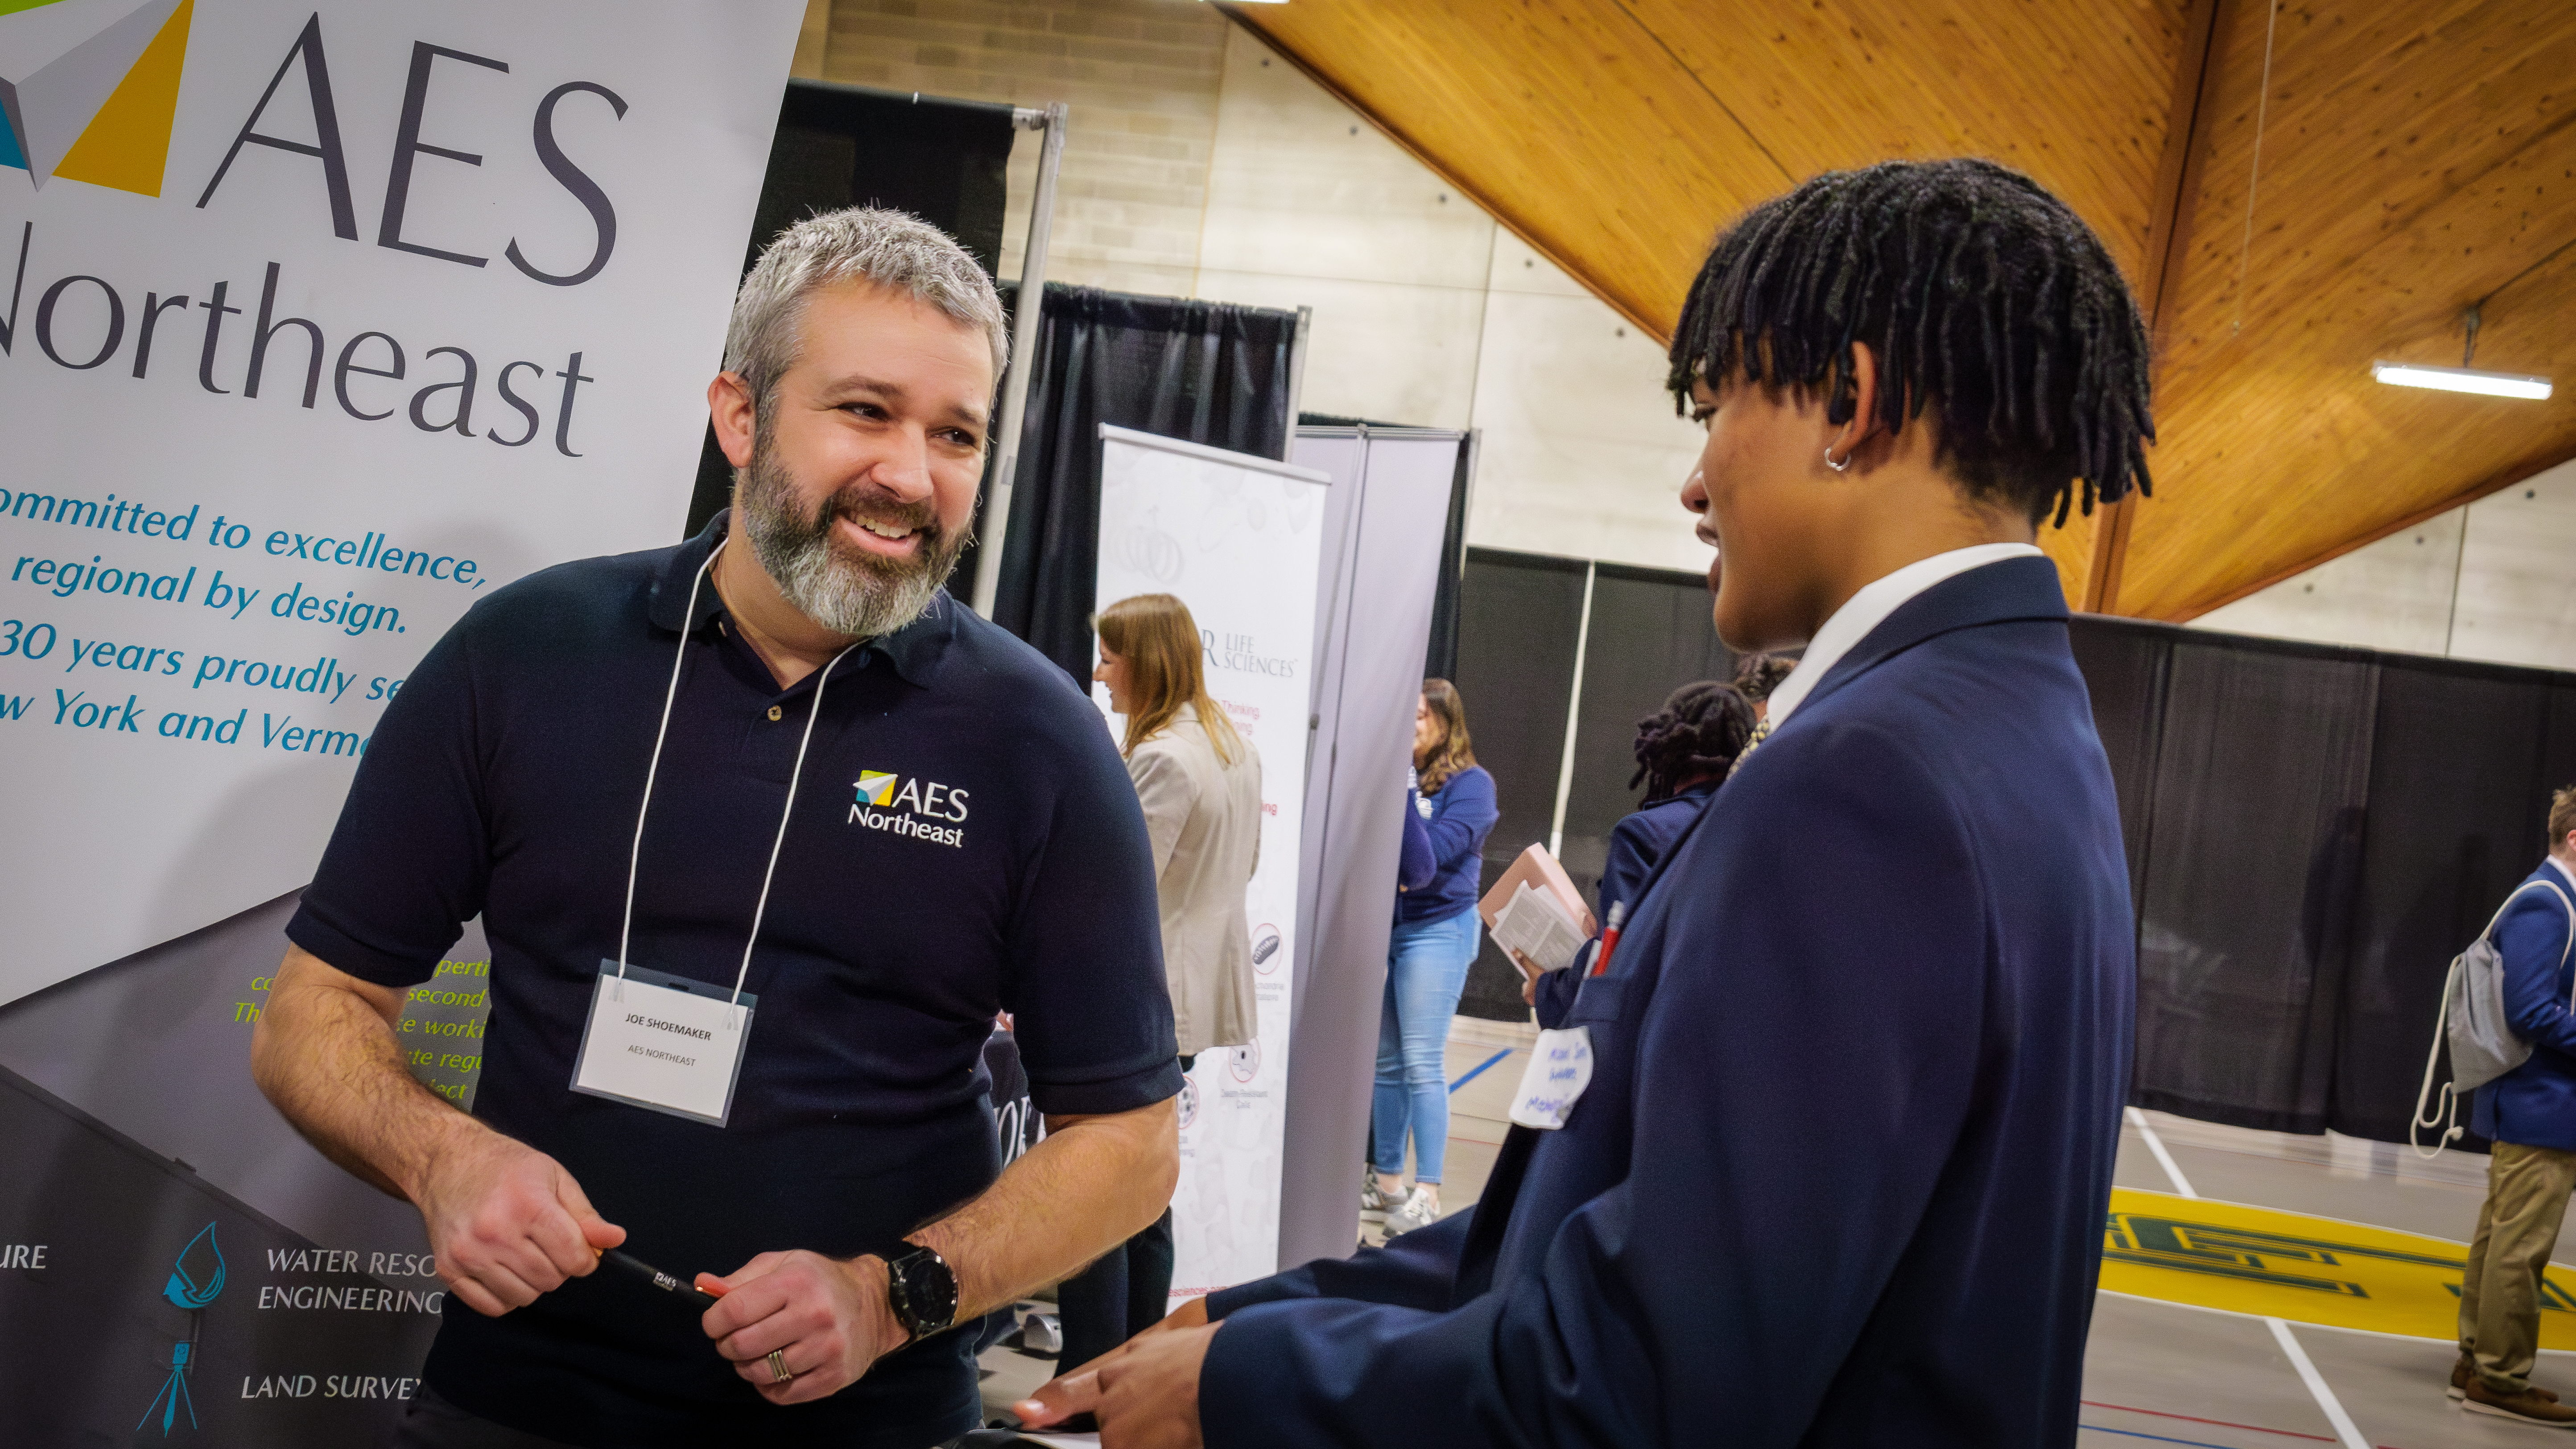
[2494,580]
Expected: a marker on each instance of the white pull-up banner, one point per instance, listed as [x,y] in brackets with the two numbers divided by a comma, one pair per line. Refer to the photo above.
[318,322]
[1240,540]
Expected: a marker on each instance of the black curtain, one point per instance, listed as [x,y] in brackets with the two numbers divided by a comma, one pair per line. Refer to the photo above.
[1518,618]
[2312,832]
[1518,615]
[2454,758]
[1202,372]
[836,146]
[2124,667]
[1440,655]
[1651,633]
[2260,789]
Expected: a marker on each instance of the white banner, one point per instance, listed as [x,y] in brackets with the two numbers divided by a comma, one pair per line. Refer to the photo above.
[319,321]
[1240,540]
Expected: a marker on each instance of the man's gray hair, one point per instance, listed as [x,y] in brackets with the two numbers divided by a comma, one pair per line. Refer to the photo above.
[900,253]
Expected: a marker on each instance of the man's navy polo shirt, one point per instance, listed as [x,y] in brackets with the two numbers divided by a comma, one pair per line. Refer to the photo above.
[1008,868]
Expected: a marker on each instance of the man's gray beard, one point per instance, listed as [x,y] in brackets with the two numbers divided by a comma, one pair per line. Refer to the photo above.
[861,596]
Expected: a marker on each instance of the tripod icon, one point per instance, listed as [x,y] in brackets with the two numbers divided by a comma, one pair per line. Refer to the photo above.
[174,1390]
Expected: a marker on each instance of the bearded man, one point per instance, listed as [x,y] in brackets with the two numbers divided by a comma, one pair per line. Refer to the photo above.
[764,830]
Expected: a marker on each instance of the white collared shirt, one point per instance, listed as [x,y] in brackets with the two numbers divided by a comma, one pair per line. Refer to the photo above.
[2563,873]
[1870,607]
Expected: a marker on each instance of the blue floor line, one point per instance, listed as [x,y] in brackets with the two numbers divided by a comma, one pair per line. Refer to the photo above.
[1479,1071]
[2159,1438]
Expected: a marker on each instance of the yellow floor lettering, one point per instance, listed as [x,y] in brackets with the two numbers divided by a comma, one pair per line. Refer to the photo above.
[2308,1270]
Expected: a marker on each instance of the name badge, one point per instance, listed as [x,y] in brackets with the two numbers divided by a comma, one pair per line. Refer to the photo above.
[1560,1067]
[663,1042]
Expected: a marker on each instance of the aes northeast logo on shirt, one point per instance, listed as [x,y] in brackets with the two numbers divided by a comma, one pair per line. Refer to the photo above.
[910,806]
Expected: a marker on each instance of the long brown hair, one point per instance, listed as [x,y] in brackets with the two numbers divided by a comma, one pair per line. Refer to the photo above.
[1159,640]
[1455,752]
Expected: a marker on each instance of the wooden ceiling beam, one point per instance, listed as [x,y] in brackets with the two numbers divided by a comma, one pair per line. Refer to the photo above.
[2497,482]
[2168,218]
[2376,125]
[1564,120]
[2419,156]
[1440,168]
[2291,456]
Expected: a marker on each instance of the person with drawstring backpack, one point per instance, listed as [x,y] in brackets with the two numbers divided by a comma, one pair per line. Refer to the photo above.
[2529,1113]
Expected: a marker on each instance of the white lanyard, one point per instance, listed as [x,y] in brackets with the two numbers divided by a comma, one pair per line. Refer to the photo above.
[760,908]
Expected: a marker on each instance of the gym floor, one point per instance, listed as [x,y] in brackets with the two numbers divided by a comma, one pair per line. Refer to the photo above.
[2161,1372]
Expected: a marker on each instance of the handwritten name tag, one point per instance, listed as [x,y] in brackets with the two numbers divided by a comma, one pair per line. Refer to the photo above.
[663,1042]
[1560,1067]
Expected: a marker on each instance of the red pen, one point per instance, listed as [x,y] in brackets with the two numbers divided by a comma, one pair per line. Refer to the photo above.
[1609,937]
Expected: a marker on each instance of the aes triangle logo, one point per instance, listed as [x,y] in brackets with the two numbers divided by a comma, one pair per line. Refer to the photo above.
[88,89]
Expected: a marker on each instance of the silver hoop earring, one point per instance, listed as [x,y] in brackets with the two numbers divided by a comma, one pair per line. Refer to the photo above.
[1842,467]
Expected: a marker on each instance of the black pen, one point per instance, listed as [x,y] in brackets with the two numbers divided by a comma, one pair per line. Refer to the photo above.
[637,1268]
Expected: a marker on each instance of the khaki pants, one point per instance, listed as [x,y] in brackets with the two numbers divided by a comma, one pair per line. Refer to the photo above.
[2527,1190]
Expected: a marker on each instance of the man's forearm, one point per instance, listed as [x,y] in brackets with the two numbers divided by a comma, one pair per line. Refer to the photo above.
[1090,1185]
[324,1053]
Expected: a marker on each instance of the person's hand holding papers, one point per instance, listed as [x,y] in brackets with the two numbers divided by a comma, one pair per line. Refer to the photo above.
[1538,931]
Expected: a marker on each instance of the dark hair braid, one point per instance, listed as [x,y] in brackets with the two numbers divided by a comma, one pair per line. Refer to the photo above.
[1699,731]
[1983,297]
[1756,675]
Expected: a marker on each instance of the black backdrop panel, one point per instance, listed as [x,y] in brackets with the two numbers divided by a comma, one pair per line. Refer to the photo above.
[1202,372]
[941,160]
[1651,634]
[2557,756]
[2312,832]
[2455,765]
[1440,653]
[1517,619]
[2260,789]
[2125,668]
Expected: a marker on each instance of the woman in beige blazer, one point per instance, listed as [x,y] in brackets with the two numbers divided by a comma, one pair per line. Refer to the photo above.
[1200,785]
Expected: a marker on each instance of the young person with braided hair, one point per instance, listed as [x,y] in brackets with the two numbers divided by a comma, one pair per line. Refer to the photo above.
[1838,1174]
[1683,753]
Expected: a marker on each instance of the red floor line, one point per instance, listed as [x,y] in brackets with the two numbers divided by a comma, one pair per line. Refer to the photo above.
[2217,1423]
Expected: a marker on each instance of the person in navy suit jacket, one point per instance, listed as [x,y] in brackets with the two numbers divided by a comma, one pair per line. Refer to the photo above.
[2530,1115]
[1839,1174]
[1683,753]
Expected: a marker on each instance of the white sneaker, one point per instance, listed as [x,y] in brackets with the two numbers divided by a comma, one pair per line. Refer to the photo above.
[1374,1204]
[1420,1210]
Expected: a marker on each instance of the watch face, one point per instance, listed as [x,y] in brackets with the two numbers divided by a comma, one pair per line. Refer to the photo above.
[925,1292]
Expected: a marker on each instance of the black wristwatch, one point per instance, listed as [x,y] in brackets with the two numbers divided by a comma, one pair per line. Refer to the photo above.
[920,1290]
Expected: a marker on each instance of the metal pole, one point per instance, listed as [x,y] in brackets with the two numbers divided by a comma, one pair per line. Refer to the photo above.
[1573,719]
[1015,383]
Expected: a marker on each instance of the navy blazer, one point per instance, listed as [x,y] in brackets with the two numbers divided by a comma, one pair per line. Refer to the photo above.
[2534,1105]
[1637,842]
[1840,1174]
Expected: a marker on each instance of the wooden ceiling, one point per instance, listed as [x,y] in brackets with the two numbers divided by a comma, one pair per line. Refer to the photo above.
[2415,158]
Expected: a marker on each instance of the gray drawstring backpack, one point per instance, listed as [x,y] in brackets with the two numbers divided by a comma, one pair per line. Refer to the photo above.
[2482,1041]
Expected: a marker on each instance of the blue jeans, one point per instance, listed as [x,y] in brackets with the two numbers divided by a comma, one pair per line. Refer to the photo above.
[1426,967]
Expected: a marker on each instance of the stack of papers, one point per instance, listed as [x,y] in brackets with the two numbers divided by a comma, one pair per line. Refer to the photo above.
[1533,924]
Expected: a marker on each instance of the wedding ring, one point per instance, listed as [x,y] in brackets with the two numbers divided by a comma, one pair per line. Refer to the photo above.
[779,1372]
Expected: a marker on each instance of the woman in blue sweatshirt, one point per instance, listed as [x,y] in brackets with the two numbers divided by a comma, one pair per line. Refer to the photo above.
[1436,935]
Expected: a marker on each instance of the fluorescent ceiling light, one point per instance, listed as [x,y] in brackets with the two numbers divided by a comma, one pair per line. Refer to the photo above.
[2461,379]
